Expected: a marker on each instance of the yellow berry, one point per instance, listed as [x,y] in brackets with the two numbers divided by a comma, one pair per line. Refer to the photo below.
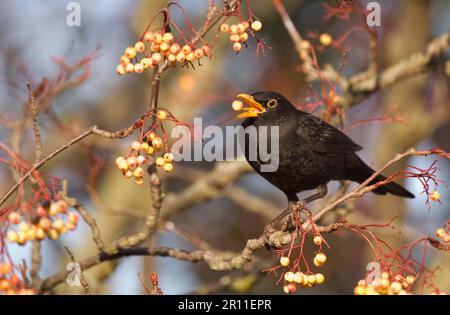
[396,287]
[243,37]
[289,276]
[284,261]
[298,277]
[385,275]
[40,234]
[325,39]
[130,52]
[168,157]
[154,47]
[186,49]
[160,161]
[435,196]
[237,105]
[148,36]
[410,279]
[129,68]
[320,278]
[58,224]
[168,167]
[234,29]
[120,70]
[124,60]
[52,234]
[162,114]
[150,150]
[190,57]
[172,58]
[72,217]
[138,172]
[156,58]
[168,38]
[440,232]
[317,240]
[359,290]
[321,258]
[13,237]
[144,146]
[181,57]
[256,26]
[138,68]
[312,279]
[234,38]
[164,47]
[237,46]
[139,46]
[44,223]
[240,28]
[174,48]
[157,38]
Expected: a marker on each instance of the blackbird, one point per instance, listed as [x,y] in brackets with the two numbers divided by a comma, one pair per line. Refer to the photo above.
[311,151]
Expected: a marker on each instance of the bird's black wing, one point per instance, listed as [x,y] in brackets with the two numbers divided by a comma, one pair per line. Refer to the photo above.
[323,137]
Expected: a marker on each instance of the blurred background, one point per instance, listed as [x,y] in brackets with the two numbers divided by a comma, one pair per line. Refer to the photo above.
[32,33]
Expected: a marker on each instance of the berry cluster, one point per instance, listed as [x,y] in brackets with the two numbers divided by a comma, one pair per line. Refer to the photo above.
[238,32]
[385,285]
[161,47]
[10,284]
[52,220]
[443,234]
[131,166]
[306,280]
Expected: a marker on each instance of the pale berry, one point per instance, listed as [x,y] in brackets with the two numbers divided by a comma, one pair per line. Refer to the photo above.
[160,161]
[224,27]
[199,53]
[181,57]
[435,196]
[136,145]
[320,278]
[186,49]
[130,52]
[256,26]
[120,70]
[243,37]
[168,38]
[138,68]
[157,38]
[138,172]
[161,114]
[141,160]
[174,48]
[129,68]
[139,46]
[148,36]
[317,240]
[325,39]
[237,46]
[14,218]
[167,167]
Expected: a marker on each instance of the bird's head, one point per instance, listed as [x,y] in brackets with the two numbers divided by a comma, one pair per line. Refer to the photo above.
[263,103]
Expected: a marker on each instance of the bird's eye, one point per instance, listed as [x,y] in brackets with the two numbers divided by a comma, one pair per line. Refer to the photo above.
[272,103]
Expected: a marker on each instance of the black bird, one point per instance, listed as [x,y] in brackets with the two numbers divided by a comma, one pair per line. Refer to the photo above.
[311,151]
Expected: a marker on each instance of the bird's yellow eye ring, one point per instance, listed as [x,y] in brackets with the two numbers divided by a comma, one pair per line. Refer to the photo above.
[272,103]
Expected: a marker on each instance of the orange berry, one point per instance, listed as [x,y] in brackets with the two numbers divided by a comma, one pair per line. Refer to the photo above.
[156,58]
[234,29]
[151,136]
[155,48]
[435,196]
[440,232]
[14,218]
[237,46]
[148,36]
[157,38]
[168,38]
[124,60]
[138,172]
[146,62]
[52,234]
[138,68]
[172,58]
[73,217]
[224,27]
[245,24]
[132,162]
[186,49]
[240,28]
[174,48]
[199,53]
[325,39]
[44,223]
[256,26]
[120,70]
[206,49]
[5,268]
[141,160]
[4,285]
[139,46]
[181,57]
[41,212]
[40,234]
[290,288]
[130,52]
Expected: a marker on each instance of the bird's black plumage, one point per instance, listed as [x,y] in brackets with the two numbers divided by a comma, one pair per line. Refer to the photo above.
[311,151]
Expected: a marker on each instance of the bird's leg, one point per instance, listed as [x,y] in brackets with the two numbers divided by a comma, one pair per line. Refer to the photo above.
[322,190]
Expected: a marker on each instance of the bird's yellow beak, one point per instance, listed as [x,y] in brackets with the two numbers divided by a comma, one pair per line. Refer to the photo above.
[254,108]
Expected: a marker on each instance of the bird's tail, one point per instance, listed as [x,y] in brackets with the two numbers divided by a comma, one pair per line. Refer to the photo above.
[363,171]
